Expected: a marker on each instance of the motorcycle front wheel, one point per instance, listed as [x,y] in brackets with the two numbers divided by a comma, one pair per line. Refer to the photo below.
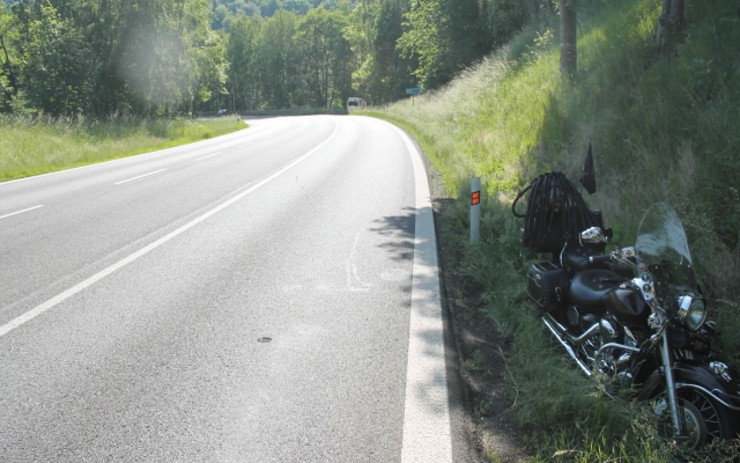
[703,420]
[718,421]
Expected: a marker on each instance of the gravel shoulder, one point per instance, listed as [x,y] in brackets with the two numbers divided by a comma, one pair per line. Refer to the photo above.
[490,420]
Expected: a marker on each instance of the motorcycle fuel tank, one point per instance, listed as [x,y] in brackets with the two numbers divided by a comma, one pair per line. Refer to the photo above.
[627,306]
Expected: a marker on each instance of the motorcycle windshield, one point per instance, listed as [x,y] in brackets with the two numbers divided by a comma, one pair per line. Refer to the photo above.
[662,247]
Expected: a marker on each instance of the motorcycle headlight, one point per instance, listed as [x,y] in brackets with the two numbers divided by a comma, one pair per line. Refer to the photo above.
[692,311]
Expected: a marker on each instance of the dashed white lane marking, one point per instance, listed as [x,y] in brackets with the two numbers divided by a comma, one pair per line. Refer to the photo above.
[139,176]
[58,299]
[218,153]
[21,212]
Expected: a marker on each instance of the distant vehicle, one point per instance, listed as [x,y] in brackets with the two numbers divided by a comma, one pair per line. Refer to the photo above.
[354,102]
[222,112]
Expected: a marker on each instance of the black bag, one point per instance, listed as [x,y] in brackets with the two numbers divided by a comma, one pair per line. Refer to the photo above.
[556,213]
[547,285]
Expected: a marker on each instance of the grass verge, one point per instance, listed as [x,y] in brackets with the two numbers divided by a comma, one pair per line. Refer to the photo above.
[31,147]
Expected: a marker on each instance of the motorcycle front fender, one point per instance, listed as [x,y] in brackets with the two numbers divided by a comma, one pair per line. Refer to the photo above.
[694,375]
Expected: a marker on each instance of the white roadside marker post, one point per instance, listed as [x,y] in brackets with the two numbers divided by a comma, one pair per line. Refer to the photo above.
[474,210]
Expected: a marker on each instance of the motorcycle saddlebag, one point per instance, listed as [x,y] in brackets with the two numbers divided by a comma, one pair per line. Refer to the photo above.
[547,285]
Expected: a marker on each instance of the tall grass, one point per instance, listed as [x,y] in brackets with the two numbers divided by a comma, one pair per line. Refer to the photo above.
[664,124]
[36,146]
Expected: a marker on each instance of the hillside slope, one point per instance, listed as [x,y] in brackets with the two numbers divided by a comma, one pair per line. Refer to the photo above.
[664,124]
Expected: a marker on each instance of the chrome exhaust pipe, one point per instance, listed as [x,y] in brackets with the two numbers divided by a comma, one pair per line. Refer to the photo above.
[577,340]
[551,324]
[614,345]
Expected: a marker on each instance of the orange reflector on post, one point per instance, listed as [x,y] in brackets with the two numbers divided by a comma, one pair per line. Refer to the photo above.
[474,210]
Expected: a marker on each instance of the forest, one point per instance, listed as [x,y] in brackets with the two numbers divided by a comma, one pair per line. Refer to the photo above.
[100,58]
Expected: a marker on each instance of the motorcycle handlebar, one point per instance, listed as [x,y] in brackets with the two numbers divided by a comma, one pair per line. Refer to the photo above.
[600,259]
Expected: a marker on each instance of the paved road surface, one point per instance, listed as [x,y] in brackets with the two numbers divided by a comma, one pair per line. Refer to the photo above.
[259,297]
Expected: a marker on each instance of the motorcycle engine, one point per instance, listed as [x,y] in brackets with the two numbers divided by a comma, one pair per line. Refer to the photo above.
[613,364]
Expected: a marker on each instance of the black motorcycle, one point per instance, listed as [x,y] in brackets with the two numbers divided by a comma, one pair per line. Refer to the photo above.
[634,318]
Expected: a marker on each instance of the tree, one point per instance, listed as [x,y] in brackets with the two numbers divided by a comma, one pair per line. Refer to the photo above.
[381,71]
[207,53]
[392,71]
[166,55]
[153,59]
[276,60]
[325,58]
[56,64]
[671,20]
[426,40]
[568,50]
[241,54]
[105,57]
[444,35]
[8,71]
[501,19]
[300,7]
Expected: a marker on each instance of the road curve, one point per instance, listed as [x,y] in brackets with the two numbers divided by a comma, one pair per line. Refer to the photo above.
[269,295]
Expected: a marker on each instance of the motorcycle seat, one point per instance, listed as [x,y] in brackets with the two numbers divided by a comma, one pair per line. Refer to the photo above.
[576,258]
[589,288]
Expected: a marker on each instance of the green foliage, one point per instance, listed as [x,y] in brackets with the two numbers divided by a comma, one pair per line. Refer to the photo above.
[56,64]
[241,54]
[207,52]
[290,61]
[277,60]
[664,125]
[174,57]
[425,39]
[8,60]
[444,36]
[501,19]
[324,56]
[227,11]
[381,74]
[102,57]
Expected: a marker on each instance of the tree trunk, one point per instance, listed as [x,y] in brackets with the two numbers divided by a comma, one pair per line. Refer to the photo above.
[671,20]
[8,69]
[568,53]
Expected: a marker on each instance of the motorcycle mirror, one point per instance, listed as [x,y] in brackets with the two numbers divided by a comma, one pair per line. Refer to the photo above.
[588,176]
[593,235]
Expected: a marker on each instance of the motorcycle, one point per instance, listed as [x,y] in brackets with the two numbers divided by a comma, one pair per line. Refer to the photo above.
[634,318]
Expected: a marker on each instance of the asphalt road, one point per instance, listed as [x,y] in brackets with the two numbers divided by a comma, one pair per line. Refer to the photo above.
[266,296]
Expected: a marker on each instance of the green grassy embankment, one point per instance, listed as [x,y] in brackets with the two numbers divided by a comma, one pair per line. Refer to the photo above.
[665,125]
[32,147]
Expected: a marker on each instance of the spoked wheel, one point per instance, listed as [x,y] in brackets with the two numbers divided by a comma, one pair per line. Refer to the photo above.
[703,420]
[694,429]
[718,421]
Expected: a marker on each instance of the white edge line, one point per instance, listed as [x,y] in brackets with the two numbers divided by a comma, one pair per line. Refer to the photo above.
[58,299]
[21,212]
[427,433]
[139,176]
